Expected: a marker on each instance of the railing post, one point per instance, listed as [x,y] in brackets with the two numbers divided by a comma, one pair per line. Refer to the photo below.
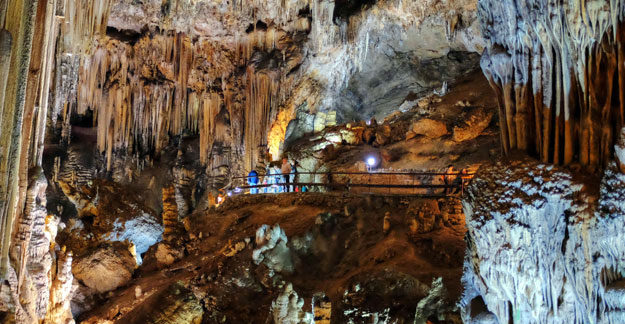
[462,187]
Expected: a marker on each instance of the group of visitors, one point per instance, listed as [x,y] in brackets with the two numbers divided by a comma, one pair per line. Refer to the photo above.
[278,178]
[454,180]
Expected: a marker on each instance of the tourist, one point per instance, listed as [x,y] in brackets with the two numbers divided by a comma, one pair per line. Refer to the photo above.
[293,177]
[465,179]
[267,179]
[277,178]
[449,178]
[286,171]
[252,180]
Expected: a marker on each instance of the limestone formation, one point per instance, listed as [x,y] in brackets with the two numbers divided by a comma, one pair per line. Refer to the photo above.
[114,111]
[423,215]
[322,309]
[59,310]
[541,248]
[288,308]
[105,268]
[474,124]
[429,127]
[172,228]
[272,249]
[557,72]
[166,254]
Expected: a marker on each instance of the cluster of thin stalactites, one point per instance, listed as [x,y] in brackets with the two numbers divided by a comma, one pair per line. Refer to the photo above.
[561,93]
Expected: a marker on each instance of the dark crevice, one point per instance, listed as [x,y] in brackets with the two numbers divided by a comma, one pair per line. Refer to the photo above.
[126,35]
[260,26]
[343,9]
[478,306]
[567,215]
[305,12]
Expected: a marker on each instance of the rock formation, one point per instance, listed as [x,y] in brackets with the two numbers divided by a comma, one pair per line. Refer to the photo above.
[543,247]
[121,122]
[105,268]
[557,71]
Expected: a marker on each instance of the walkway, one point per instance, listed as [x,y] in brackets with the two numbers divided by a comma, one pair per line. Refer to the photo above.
[386,183]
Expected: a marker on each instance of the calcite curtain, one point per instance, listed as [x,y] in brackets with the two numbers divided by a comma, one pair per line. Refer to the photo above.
[558,70]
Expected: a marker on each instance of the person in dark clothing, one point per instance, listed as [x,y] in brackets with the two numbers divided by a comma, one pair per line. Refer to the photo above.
[286,172]
[449,179]
[293,177]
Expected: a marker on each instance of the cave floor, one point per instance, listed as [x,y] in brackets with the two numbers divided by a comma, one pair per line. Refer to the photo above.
[348,247]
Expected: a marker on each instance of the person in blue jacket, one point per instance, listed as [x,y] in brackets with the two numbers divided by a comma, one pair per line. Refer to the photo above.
[252,180]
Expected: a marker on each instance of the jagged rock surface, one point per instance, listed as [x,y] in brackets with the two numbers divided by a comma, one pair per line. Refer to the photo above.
[105,268]
[235,75]
[543,247]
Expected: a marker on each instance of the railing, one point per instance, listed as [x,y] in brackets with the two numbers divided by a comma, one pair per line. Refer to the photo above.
[404,183]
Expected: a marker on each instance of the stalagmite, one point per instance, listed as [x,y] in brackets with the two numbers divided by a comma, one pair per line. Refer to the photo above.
[59,309]
[386,226]
[171,224]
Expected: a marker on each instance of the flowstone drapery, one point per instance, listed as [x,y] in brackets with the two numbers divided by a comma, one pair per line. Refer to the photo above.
[543,247]
[558,71]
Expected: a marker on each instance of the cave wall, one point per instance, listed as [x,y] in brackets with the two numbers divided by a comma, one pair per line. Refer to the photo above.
[137,76]
[33,270]
[248,67]
[557,69]
[543,246]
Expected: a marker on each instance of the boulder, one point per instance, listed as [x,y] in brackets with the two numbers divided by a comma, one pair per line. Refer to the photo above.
[166,254]
[351,136]
[333,137]
[143,231]
[105,268]
[476,122]
[429,127]
[383,135]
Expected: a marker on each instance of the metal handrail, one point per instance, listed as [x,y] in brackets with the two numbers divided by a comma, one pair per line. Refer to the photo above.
[361,173]
[347,185]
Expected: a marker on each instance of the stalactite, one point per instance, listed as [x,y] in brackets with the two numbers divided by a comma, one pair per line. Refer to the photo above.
[563,48]
[27,51]
[84,20]
[164,85]
[211,106]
